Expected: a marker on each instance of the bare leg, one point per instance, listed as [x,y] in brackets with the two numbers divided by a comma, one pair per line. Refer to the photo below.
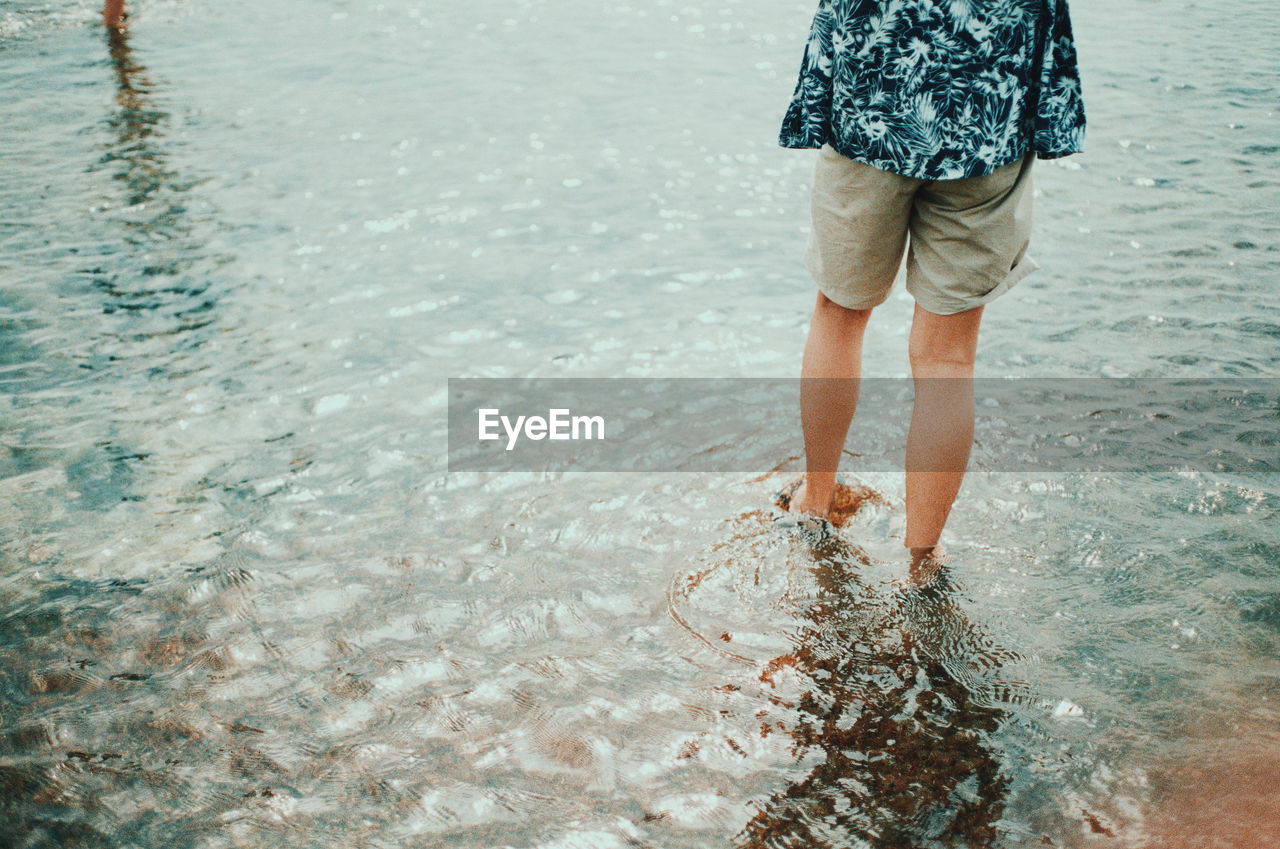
[113,13]
[942,350]
[828,398]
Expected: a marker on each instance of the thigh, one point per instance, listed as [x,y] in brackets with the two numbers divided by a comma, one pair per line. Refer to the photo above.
[969,238]
[860,218]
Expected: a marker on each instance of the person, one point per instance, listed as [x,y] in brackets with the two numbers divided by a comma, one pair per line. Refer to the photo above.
[113,14]
[927,118]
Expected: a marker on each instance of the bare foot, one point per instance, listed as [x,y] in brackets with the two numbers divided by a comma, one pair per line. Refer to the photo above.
[796,498]
[926,562]
[807,502]
[841,505]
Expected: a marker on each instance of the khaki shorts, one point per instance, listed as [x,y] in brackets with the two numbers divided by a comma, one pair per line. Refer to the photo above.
[968,242]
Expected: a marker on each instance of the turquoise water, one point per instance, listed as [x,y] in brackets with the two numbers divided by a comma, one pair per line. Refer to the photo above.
[243,604]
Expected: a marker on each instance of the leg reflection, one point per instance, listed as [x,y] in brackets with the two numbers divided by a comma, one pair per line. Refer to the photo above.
[899,702]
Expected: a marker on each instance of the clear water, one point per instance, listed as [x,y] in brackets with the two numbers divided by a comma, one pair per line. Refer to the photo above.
[242,603]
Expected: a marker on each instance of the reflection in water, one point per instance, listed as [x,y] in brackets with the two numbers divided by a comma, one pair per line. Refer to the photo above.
[159,250]
[900,697]
[138,125]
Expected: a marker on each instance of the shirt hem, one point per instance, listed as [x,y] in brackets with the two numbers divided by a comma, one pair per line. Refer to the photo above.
[812,144]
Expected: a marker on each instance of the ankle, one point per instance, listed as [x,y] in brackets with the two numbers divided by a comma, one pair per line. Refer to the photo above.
[822,483]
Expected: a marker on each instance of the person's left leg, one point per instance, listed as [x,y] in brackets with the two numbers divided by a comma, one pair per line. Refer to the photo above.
[828,398]
[969,240]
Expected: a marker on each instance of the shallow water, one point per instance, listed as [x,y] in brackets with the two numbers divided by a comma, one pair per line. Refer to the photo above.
[243,604]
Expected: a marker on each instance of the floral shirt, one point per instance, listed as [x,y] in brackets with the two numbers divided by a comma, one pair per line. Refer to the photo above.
[938,89]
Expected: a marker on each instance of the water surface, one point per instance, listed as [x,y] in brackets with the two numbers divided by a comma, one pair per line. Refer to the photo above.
[243,604]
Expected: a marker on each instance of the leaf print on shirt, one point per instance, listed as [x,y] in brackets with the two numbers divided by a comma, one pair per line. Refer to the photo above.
[938,89]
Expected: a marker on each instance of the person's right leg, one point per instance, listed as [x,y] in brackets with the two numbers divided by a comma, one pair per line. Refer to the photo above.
[942,349]
[828,398]
[860,217]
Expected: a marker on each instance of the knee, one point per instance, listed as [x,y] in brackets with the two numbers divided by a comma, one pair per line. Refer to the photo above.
[935,358]
[829,310]
[940,356]
[943,345]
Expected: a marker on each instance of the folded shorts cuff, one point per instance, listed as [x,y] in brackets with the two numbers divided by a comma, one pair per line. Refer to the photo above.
[950,306]
[852,303]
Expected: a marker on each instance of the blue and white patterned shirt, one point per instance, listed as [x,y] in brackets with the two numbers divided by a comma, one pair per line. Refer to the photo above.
[938,89]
